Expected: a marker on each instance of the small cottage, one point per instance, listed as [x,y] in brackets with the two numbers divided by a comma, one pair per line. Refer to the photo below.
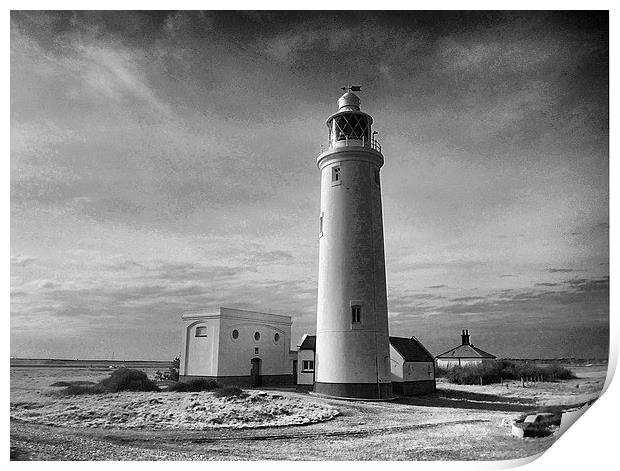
[305,361]
[412,367]
[464,354]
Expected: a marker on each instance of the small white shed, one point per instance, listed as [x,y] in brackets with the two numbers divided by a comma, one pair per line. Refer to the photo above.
[412,367]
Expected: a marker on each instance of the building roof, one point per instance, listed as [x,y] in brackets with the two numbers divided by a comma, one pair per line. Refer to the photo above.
[466,351]
[308,343]
[410,349]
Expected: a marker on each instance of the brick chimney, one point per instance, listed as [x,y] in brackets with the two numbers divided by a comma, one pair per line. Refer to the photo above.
[465,337]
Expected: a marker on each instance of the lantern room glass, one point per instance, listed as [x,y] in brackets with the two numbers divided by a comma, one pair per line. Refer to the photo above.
[345,126]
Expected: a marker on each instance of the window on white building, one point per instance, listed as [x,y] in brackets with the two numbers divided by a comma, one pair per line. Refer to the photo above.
[356,314]
[257,336]
[201,331]
[307,365]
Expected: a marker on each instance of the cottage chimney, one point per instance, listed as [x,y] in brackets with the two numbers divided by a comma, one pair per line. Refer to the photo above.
[465,337]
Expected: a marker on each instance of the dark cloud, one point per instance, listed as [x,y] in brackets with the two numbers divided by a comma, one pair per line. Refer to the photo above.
[561,270]
[437,286]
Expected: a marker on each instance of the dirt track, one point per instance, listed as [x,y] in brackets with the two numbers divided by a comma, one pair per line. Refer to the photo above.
[456,423]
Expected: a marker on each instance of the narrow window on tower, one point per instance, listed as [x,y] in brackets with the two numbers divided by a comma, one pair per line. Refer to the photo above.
[336,177]
[321,226]
[356,314]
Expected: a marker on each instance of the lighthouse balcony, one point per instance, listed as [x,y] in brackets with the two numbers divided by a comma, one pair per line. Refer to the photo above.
[352,142]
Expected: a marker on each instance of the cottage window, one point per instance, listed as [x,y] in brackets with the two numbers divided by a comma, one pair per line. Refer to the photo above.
[307,365]
[201,331]
[356,314]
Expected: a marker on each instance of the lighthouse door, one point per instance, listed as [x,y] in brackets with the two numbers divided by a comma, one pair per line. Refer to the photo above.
[255,372]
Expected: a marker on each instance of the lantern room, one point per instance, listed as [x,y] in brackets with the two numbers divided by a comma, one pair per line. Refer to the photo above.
[350,126]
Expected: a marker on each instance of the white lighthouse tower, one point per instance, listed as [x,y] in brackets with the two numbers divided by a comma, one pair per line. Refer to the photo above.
[352,344]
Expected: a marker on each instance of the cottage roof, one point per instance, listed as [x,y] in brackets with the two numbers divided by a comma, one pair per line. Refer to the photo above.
[309,343]
[410,349]
[466,351]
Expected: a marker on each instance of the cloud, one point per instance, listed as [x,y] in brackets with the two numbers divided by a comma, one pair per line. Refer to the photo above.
[467,298]
[21,260]
[561,270]
[267,257]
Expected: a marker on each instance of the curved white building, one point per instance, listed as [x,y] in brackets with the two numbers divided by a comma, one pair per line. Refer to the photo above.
[352,345]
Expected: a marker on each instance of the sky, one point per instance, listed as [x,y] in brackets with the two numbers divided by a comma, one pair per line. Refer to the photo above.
[165,161]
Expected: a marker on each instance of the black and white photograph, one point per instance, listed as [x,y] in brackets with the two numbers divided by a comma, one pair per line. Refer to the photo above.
[307,235]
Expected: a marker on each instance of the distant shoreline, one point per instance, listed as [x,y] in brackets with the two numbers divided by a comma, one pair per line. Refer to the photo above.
[53,362]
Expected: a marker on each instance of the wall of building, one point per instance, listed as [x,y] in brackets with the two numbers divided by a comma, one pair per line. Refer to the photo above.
[221,356]
[410,371]
[199,355]
[412,388]
[452,362]
[305,378]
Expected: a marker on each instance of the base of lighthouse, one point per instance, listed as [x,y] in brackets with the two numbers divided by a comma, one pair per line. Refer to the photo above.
[355,390]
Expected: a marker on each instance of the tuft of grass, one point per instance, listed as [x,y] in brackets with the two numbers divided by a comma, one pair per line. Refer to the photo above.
[123,379]
[230,391]
[496,370]
[195,385]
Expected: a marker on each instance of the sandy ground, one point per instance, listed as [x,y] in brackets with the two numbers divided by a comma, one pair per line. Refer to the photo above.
[455,423]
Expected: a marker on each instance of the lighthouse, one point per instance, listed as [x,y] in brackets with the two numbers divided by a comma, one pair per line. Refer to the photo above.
[352,341]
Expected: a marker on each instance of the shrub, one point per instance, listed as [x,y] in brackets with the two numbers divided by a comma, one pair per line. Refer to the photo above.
[123,379]
[126,379]
[496,370]
[65,384]
[230,391]
[195,385]
[80,389]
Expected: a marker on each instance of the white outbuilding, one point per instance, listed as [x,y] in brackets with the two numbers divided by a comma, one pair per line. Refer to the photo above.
[463,355]
[305,362]
[412,367]
[237,347]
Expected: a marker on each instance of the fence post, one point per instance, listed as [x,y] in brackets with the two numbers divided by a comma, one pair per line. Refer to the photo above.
[480,380]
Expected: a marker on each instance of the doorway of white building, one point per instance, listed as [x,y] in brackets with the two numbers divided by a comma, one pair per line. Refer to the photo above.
[255,372]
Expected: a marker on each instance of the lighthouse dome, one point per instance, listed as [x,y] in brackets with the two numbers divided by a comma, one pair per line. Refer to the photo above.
[349,102]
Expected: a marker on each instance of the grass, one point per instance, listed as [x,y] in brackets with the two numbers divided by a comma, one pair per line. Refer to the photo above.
[195,385]
[230,391]
[123,379]
[497,370]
